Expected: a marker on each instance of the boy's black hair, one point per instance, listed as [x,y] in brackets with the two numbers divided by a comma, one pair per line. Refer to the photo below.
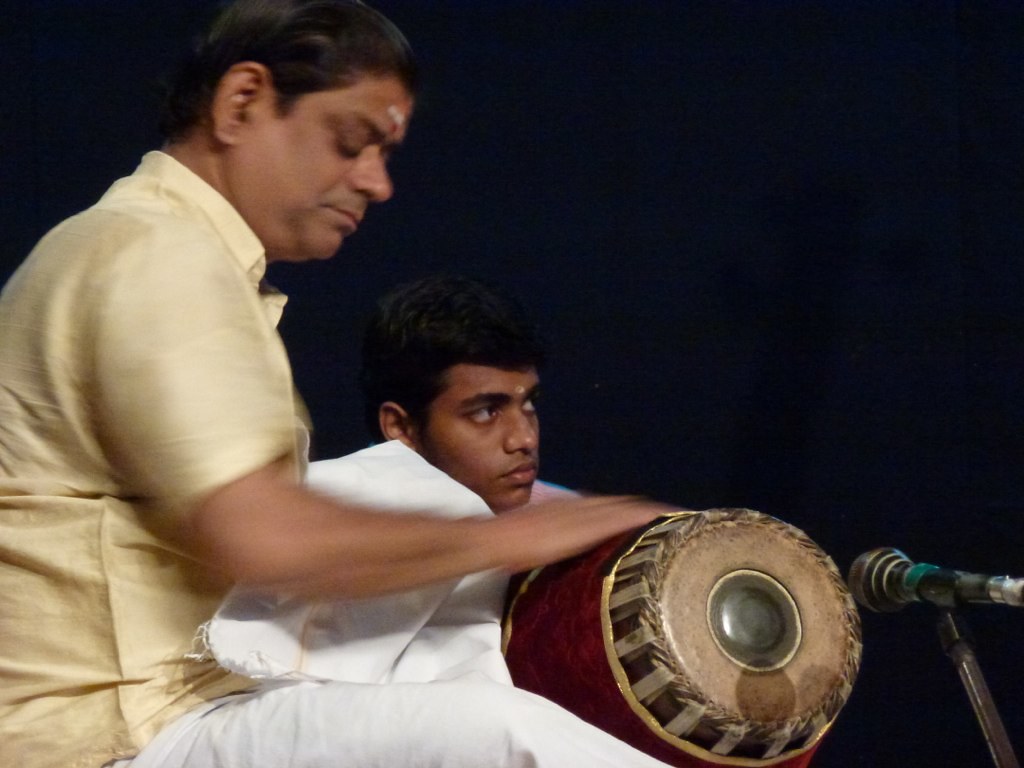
[421,329]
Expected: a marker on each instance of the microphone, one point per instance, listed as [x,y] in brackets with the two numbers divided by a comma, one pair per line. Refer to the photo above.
[885,580]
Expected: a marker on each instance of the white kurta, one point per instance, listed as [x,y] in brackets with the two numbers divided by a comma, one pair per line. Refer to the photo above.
[435,632]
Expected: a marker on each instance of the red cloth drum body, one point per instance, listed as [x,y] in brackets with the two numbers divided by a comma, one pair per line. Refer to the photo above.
[722,637]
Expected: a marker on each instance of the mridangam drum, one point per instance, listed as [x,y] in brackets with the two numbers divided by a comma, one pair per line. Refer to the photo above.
[722,637]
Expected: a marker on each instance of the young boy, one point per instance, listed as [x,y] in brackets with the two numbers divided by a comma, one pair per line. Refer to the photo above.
[451,368]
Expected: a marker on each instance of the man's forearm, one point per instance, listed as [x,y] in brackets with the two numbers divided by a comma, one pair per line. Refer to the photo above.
[265,530]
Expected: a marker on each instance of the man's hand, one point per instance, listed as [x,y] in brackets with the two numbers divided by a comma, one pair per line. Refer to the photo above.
[539,534]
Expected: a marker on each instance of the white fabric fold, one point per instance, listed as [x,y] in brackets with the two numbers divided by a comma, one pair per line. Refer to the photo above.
[437,632]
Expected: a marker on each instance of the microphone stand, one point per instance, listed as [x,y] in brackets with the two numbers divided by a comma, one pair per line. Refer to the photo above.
[957,644]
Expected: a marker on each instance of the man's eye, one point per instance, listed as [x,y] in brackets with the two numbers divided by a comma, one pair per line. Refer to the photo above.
[530,405]
[348,150]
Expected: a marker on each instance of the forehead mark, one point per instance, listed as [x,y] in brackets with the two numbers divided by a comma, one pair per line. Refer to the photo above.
[520,389]
[397,116]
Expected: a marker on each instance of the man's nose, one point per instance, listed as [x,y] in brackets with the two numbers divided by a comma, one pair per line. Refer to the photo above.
[371,177]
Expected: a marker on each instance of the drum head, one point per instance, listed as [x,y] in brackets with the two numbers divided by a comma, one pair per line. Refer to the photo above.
[732,630]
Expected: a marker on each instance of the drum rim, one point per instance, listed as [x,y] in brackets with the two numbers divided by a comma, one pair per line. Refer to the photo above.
[625,685]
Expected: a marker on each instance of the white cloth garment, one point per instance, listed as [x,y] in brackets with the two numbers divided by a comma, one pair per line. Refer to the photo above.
[470,722]
[435,632]
[414,680]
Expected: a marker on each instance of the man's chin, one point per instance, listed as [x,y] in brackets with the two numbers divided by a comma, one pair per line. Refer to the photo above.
[322,249]
[326,250]
[301,257]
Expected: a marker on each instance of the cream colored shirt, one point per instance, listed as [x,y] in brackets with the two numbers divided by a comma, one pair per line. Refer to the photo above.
[140,368]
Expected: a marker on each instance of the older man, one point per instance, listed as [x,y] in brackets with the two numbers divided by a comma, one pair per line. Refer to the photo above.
[151,445]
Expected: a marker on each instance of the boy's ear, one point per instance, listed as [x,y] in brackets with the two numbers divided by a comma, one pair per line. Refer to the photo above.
[395,424]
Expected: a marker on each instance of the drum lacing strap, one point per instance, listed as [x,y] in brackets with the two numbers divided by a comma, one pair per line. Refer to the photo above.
[845,690]
[648,554]
[634,641]
[733,735]
[639,591]
[687,720]
[777,740]
[651,684]
[818,724]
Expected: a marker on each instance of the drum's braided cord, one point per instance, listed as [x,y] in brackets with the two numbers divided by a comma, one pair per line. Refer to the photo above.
[647,576]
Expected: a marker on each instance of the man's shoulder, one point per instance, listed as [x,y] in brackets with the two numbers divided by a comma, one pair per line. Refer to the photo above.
[140,209]
[113,242]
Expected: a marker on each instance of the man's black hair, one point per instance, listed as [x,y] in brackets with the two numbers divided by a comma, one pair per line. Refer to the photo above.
[421,329]
[308,46]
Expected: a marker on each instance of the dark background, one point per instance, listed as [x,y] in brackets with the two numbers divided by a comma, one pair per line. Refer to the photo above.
[775,246]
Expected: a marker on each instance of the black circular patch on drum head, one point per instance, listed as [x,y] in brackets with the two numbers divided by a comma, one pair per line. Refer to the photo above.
[754,620]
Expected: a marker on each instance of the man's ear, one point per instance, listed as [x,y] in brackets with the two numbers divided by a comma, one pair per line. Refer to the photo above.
[245,91]
[396,424]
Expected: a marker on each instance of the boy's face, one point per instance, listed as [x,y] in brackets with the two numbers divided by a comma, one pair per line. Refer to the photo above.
[482,430]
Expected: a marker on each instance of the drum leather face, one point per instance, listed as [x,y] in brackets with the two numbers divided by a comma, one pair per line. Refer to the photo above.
[753,640]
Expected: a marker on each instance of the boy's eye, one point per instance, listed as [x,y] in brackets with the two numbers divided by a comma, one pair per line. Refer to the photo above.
[483,415]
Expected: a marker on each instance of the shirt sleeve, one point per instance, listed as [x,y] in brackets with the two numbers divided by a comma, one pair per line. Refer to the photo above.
[192,383]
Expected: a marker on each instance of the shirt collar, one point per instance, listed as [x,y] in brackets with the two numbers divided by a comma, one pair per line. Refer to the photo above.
[187,189]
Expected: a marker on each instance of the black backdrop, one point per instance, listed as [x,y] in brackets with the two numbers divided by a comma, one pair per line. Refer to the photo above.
[776,248]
